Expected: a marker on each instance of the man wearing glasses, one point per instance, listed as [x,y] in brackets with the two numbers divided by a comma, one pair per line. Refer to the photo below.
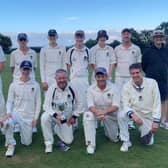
[23,52]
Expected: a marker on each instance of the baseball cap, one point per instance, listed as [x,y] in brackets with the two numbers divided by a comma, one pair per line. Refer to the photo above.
[100,70]
[52,32]
[102,33]
[80,33]
[158,33]
[26,65]
[125,30]
[22,36]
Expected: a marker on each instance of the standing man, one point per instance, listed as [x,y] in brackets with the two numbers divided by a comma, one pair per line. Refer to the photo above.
[21,54]
[23,108]
[2,101]
[102,55]
[78,63]
[52,57]
[155,65]
[62,108]
[141,103]
[126,54]
[103,103]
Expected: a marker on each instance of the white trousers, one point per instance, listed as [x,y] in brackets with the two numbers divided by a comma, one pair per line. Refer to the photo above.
[81,85]
[2,106]
[120,81]
[25,126]
[110,127]
[49,127]
[123,120]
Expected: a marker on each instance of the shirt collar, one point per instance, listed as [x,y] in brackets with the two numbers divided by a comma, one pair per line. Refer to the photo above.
[56,47]
[137,88]
[129,48]
[104,48]
[81,50]
[30,81]
[106,88]
[29,51]
[60,90]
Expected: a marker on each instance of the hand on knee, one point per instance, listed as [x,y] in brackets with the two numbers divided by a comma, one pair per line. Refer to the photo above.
[137,119]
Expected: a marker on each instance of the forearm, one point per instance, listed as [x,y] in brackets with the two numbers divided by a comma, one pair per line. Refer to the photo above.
[1,66]
[68,69]
[111,109]
[111,67]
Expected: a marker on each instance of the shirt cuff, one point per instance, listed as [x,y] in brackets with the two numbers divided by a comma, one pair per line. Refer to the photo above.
[129,113]
[156,120]
[55,115]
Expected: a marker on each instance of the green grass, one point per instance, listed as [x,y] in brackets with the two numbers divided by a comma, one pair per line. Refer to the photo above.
[107,154]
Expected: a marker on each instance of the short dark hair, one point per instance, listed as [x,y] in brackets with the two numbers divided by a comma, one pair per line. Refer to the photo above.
[135,66]
[60,71]
[125,30]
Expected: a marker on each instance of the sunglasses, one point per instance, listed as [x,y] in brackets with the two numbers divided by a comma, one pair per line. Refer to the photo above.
[22,39]
[26,69]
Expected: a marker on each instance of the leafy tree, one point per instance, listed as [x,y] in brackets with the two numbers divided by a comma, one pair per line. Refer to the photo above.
[5,42]
[115,43]
[90,43]
[164,26]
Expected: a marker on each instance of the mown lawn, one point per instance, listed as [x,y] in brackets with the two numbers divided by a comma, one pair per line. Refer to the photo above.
[107,154]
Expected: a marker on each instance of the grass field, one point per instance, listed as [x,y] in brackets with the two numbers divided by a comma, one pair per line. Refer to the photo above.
[107,154]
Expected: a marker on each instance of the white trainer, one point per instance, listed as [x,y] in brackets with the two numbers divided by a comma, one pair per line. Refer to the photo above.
[151,140]
[48,148]
[16,128]
[10,151]
[90,149]
[125,146]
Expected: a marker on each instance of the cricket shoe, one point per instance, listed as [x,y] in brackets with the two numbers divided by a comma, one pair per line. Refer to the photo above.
[10,151]
[90,149]
[62,147]
[151,140]
[48,148]
[131,125]
[164,125]
[125,146]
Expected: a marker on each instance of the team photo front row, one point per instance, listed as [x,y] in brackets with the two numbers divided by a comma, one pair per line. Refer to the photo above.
[64,103]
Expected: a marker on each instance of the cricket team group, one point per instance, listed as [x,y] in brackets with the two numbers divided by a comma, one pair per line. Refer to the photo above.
[78,82]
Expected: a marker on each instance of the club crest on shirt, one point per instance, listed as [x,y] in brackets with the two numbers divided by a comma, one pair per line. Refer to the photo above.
[59,52]
[108,95]
[32,89]
[31,57]
[68,96]
[107,54]
[85,58]
[140,98]
[133,52]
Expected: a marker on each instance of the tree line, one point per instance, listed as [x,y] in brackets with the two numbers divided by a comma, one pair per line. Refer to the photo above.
[143,39]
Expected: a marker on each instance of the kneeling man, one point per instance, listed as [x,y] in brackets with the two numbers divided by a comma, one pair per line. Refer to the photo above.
[23,108]
[62,107]
[140,102]
[103,103]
